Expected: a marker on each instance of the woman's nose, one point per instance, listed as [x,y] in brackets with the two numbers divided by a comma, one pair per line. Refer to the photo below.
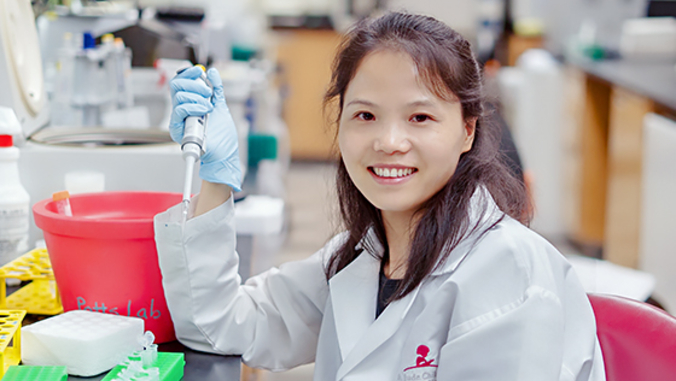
[392,139]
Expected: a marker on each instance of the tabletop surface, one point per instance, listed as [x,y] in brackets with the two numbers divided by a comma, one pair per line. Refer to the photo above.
[199,366]
[654,80]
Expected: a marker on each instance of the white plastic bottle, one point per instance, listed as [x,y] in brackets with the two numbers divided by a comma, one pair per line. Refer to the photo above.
[14,201]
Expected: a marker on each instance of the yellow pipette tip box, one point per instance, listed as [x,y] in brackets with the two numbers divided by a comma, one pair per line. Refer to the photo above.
[10,338]
[41,296]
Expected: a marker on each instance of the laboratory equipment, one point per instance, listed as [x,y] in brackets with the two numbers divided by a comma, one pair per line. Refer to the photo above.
[658,207]
[491,15]
[21,76]
[134,371]
[192,146]
[170,366]
[264,176]
[85,182]
[128,160]
[94,82]
[87,343]
[35,373]
[47,154]
[533,93]
[104,257]
[148,349]
[14,200]
[62,203]
[649,38]
[260,223]
[91,85]
[220,163]
[122,57]
[40,296]
[10,332]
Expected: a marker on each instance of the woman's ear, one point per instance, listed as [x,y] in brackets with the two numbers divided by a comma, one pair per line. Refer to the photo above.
[470,128]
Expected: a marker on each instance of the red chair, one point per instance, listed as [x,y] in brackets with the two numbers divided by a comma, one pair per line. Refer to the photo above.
[638,340]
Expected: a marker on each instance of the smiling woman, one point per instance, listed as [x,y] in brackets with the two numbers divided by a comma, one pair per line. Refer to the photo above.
[435,277]
[393,123]
[411,99]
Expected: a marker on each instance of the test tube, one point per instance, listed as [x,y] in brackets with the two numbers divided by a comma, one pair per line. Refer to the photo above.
[62,202]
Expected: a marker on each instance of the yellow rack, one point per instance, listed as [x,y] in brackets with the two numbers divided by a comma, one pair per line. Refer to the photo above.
[10,338]
[41,296]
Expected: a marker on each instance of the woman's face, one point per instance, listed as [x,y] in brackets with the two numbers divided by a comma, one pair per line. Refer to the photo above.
[400,143]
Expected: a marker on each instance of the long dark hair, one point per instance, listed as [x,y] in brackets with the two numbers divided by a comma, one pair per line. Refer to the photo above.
[448,68]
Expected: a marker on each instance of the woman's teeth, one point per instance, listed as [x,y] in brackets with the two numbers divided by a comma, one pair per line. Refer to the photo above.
[392,172]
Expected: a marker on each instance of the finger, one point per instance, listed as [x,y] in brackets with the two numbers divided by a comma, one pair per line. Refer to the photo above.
[184,97]
[185,110]
[190,73]
[190,85]
[215,78]
[176,133]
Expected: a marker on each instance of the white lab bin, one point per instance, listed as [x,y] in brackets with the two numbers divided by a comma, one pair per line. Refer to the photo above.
[658,207]
[259,222]
[532,95]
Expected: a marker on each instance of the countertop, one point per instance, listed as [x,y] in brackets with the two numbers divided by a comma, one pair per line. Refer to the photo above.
[199,366]
[654,80]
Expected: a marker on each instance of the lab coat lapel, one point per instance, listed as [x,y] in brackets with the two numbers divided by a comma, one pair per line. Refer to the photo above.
[354,292]
[380,331]
[483,214]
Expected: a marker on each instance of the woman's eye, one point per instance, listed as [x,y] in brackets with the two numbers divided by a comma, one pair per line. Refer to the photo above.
[365,116]
[420,118]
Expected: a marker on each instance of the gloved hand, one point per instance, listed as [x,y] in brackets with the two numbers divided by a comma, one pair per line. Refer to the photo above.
[192,97]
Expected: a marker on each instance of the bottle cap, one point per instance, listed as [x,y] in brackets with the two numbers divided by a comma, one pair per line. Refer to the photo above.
[88,41]
[201,67]
[6,141]
[108,38]
[58,196]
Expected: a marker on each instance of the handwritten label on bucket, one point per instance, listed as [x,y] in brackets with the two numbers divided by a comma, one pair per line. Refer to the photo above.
[142,313]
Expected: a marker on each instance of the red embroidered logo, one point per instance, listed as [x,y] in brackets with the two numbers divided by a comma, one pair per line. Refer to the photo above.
[421,361]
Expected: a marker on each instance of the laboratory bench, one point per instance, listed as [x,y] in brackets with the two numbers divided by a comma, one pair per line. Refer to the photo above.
[652,80]
[199,366]
[614,97]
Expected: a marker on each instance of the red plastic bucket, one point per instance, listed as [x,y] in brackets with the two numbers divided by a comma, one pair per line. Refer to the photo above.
[104,257]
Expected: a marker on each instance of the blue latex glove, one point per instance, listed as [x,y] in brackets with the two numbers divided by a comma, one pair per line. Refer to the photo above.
[192,97]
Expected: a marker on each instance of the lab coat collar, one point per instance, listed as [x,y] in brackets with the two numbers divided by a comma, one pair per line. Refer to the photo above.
[483,213]
[354,293]
[354,290]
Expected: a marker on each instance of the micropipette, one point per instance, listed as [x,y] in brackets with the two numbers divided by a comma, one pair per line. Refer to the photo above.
[192,145]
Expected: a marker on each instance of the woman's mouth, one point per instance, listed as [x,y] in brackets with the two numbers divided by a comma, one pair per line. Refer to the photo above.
[392,174]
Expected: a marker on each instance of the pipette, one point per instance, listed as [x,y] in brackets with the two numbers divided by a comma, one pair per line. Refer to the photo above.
[192,145]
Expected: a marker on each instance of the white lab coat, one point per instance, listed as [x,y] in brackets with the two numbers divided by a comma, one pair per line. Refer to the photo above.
[504,306]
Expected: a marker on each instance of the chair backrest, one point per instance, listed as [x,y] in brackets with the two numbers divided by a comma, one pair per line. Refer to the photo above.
[638,340]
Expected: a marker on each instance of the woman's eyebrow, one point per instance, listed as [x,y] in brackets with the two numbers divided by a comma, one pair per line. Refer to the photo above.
[422,102]
[361,102]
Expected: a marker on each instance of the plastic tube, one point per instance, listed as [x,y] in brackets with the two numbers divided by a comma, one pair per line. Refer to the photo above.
[62,202]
